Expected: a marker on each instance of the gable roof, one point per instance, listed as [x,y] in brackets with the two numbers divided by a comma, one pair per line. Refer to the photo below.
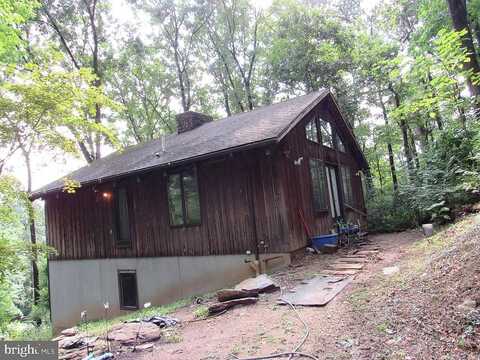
[262,126]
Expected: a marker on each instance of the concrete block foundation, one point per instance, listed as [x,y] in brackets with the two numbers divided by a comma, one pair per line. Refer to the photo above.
[78,285]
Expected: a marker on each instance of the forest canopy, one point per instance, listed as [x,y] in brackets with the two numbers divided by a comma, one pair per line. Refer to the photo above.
[83,78]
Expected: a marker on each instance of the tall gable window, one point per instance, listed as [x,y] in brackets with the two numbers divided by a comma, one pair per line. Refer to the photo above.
[346,175]
[340,146]
[122,223]
[317,175]
[311,131]
[183,198]
[326,132]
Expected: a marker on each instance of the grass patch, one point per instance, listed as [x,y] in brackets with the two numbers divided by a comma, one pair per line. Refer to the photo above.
[19,331]
[97,327]
[383,327]
[359,298]
[201,312]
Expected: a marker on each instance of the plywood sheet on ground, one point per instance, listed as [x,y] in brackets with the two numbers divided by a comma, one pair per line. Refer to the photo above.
[346,266]
[318,291]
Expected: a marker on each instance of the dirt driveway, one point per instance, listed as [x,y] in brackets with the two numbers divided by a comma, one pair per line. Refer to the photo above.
[267,328]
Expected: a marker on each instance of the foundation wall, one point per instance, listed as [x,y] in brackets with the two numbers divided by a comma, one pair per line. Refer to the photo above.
[78,285]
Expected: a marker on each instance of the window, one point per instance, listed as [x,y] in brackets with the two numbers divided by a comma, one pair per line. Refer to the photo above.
[347,185]
[127,286]
[340,146]
[317,175]
[326,132]
[311,131]
[183,198]
[121,217]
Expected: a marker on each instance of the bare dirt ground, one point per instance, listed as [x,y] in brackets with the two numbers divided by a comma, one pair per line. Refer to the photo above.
[336,330]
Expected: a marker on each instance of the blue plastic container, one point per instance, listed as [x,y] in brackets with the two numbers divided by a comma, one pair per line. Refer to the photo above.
[322,240]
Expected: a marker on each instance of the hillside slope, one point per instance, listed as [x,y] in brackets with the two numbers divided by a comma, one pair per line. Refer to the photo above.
[430,308]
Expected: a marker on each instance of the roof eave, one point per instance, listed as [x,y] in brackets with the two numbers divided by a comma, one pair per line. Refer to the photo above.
[40,194]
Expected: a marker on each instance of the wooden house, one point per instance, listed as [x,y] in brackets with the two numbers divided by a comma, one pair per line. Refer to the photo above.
[191,212]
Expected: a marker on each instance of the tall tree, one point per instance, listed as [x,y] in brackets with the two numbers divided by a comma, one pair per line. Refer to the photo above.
[79,29]
[139,81]
[233,37]
[179,24]
[459,15]
[36,107]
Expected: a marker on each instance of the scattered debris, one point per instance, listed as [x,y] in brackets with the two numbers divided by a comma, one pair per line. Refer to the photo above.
[345,343]
[222,306]
[105,356]
[467,306]
[160,321]
[390,270]
[262,283]
[230,294]
[318,291]
[311,250]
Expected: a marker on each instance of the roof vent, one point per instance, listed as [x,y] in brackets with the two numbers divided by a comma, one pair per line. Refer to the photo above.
[190,120]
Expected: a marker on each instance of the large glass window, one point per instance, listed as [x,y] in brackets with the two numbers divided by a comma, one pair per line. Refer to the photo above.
[340,145]
[311,131]
[121,217]
[183,198]
[317,174]
[326,132]
[347,185]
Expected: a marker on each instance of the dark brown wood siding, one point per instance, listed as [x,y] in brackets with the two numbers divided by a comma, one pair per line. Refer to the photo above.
[250,201]
[241,203]
[296,179]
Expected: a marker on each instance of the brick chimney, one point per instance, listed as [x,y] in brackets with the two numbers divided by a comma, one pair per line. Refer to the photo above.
[190,120]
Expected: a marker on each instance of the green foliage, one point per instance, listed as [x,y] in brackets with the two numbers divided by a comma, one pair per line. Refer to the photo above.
[388,213]
[440,186]
[45,107]
[13,15]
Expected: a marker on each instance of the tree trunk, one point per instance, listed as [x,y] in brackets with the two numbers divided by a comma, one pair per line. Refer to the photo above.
[379,169]
[458,13]
[404,130]
[438,117]
[413,147]
[33,235]
[391,158]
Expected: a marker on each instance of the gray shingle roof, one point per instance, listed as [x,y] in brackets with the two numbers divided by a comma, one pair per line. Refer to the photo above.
[262,125]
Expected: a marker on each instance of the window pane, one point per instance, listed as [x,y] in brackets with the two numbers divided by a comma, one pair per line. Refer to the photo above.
[175,199]
[347,185]
[326,131]
[128,289]
[317,174]
[340,145]
[311,131]
[192,199]
[123,232]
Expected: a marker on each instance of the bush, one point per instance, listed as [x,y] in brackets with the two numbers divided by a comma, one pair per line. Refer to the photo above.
[388,213]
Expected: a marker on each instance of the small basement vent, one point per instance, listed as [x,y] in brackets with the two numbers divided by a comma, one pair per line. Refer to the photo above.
[127,284]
